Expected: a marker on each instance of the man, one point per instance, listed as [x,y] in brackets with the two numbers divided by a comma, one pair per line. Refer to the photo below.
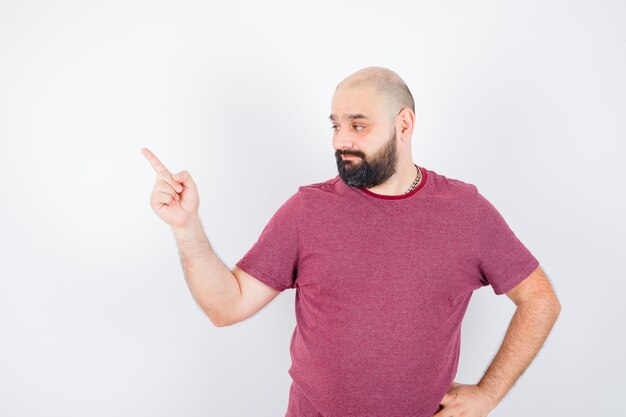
[384,258]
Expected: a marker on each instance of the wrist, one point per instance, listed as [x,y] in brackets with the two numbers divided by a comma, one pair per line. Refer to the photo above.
[190,229]
[489,392]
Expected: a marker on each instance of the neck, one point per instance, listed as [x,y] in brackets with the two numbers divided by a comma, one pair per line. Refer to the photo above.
[399,182]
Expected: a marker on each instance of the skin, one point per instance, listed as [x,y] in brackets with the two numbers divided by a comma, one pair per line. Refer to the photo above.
[175,197]
[373,140]
[366,138]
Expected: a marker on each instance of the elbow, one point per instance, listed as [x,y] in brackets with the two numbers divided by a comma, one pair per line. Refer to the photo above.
[220,323]
[555,304]
[552,303]
[554,307]
[216,320]
[557,307]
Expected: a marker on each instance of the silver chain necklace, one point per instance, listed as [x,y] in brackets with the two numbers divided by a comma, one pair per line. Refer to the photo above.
[417,180]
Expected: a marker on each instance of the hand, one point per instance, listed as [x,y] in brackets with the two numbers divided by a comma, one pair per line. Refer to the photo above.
[174,198]
[464,400]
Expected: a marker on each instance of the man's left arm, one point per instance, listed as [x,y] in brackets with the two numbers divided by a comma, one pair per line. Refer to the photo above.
[536,312]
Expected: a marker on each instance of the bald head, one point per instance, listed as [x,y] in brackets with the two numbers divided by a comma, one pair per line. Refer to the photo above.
[387,84]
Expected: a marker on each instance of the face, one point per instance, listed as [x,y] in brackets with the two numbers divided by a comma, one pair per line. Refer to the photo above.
[359,170]
[363,137]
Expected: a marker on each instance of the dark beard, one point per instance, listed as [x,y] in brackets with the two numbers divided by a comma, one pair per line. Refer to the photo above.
[363,173]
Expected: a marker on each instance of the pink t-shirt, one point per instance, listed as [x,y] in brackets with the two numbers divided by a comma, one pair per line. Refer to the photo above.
[382,285]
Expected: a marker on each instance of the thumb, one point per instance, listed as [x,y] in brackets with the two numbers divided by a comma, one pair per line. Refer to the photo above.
[185,178]
[447,398]
[454,385]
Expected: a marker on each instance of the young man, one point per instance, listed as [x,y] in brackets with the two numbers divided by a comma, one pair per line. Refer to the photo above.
[384,258]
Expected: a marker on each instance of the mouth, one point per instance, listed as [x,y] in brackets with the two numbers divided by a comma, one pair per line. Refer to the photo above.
[348,156]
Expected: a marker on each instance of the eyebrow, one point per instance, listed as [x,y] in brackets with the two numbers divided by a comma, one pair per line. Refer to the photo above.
[352,116]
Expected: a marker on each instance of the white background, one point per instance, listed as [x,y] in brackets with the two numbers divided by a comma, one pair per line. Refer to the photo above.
[527,100]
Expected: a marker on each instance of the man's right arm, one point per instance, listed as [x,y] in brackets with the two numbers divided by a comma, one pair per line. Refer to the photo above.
[227,297]
[212,284]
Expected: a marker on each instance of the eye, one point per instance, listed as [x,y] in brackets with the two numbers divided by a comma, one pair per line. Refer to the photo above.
[334,127]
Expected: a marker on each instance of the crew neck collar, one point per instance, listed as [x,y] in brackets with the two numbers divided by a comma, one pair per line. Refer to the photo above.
[393,197]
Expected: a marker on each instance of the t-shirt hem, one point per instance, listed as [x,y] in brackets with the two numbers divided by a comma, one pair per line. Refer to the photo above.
[260,275]
[516,278]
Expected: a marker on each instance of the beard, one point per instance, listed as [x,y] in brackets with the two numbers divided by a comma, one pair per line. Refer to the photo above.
[367,172]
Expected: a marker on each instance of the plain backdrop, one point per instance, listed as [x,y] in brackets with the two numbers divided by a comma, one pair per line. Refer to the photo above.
[525,99]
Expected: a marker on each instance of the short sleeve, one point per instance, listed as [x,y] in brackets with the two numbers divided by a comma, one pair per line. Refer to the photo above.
[503,260]
[273,259]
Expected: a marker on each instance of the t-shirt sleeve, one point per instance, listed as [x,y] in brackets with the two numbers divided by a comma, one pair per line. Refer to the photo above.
[273,259]
[503,260]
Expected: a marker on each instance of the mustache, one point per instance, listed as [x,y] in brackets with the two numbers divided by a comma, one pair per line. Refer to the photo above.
[338,154]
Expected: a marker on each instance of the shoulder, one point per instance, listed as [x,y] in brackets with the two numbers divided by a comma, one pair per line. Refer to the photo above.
[450,187]
[318,197]
[465,196]
[323,189]
[327,185]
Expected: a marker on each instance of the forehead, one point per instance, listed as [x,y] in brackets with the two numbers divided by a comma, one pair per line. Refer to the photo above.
[355,103]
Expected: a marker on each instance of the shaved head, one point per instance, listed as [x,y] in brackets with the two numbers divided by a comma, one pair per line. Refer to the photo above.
[388,85]
[373,116]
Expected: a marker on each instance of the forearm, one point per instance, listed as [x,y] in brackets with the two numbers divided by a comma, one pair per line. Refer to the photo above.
[211,283]
[529,327]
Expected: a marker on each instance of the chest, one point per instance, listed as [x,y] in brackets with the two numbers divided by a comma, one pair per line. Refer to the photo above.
[417,260]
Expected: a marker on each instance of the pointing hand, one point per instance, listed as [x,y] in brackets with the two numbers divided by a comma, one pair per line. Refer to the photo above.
[175,197]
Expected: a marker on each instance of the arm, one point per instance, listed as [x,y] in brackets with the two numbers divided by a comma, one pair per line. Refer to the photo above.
[226,296]
[535,315]
[212,284]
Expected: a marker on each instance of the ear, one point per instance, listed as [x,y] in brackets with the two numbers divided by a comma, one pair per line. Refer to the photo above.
[407,123]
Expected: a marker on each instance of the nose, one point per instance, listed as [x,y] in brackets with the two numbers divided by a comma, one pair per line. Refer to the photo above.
[344,145]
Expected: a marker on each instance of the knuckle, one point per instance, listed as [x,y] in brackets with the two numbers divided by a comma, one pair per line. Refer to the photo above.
[164,178]
[166,187]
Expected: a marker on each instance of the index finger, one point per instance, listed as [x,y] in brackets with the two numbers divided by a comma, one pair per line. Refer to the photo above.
[154,161]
